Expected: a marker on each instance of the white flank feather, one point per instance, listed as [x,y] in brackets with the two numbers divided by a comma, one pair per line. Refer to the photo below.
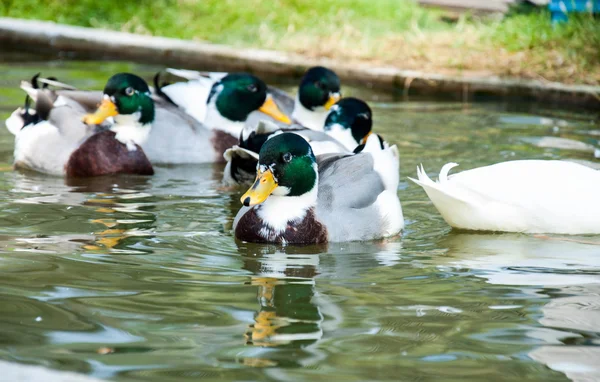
[42,147]
[531,196]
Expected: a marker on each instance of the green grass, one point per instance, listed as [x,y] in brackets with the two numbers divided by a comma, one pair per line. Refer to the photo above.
[392,32]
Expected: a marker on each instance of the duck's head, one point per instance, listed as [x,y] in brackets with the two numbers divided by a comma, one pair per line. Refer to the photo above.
[319,88]
[349,121]
[286,167]
[127,99]
[237,95]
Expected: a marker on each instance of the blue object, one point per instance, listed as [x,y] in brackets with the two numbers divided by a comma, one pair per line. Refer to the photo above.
[560,8]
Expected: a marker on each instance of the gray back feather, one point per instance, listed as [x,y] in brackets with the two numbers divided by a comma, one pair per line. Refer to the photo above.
[347,181]
[88,100]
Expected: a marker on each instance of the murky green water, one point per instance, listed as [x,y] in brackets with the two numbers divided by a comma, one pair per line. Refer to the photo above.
[140,278]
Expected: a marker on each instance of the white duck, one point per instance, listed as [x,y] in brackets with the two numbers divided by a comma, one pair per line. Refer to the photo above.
[529,196]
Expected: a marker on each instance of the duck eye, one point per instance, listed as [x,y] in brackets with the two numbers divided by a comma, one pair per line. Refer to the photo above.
[320,85]
[129,91]
[252,88]
[287,157]
[363,115]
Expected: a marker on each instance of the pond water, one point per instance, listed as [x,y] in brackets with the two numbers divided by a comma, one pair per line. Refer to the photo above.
[141,279]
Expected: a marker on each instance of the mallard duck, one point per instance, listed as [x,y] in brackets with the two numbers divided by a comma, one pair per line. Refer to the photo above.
[298,199]
[347,127]
[176,137]
[319,90]
[529,196]
[230,101]
[62,140]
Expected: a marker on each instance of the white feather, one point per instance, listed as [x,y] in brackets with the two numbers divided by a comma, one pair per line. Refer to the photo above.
[277,210]
[129,131]
[43,148]
[342,135]
[195,75]
[386,163]
[313,119]
[15,122]
[191,96]
[531,196]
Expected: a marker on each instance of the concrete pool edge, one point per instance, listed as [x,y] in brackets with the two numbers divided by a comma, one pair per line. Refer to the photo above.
[45,36]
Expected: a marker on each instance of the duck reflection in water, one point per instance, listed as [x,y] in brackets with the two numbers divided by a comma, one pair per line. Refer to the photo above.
[288,315]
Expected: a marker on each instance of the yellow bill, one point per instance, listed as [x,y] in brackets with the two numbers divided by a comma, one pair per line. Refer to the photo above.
[270,108]
[333,98]
[263,186]
[365,138]
[106,109]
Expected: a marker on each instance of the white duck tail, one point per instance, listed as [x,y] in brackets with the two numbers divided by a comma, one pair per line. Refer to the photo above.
[531,196]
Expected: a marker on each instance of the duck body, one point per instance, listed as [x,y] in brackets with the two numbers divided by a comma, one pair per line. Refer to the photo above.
[528,196]
[45,137]
[349,197]
[177,138]
[61,138]
[103,154]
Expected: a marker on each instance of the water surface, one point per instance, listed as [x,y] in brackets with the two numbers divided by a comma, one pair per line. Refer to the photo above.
[141,279]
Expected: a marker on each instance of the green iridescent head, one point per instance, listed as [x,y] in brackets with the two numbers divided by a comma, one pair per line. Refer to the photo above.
[239,94]
[286,167]
[125,94]
[320,87]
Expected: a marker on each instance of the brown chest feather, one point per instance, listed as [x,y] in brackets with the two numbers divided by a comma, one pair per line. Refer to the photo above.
[252,229]
[103,154]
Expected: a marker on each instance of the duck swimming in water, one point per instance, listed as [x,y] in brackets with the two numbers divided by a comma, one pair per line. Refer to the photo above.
[529,196]
[228,103]
[347,126]
[299,199]
[54,139]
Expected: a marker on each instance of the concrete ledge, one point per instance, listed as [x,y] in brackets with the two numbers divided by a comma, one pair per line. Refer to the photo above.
[41,36]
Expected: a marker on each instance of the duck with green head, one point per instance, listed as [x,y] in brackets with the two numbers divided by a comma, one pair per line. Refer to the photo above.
[58,141]
[126,98]
[342,198]
[347,126]
[319,89]
[227,106]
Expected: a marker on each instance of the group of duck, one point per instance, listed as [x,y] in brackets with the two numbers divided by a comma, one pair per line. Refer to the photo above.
[316,172]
